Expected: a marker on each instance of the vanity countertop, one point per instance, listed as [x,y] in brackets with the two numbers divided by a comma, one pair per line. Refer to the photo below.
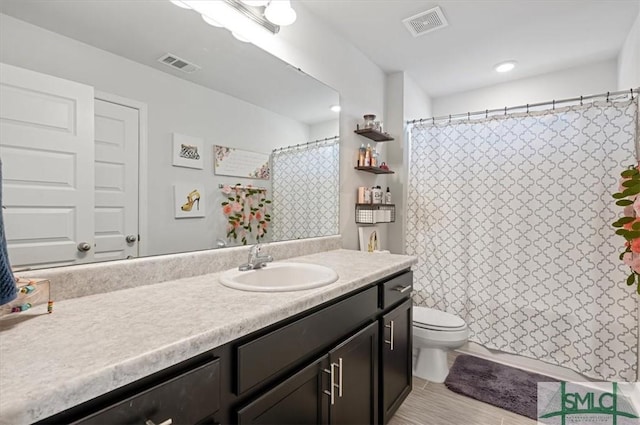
[91,345]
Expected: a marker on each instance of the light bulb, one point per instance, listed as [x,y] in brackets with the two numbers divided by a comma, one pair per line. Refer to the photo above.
[256,3]
[336,108]
[212,21]
[280,12]
[239,37]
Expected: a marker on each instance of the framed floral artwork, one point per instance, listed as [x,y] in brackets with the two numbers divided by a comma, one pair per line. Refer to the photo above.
[369,238]
[187,151]
[240,163]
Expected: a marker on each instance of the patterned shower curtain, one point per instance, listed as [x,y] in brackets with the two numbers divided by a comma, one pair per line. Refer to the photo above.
[510,218]
[306,190]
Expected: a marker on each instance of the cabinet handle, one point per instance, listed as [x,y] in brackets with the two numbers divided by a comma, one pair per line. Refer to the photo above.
[390,340]
[340,377]
[167,422]
[402,289]
[331,392]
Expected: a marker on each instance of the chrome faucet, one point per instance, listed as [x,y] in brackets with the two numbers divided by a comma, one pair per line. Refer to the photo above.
[255,261]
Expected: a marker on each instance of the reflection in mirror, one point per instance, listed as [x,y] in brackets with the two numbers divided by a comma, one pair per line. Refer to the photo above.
[106,147]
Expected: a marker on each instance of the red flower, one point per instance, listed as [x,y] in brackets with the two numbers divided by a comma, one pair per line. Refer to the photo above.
[635,245]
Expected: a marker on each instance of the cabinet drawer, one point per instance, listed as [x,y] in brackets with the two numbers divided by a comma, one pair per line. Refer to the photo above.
[264,357]
[396,289]
[185,399]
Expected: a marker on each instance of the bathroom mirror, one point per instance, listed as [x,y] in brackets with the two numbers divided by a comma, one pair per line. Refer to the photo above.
[131,54]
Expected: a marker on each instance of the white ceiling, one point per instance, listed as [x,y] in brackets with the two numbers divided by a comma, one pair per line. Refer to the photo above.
[541,35]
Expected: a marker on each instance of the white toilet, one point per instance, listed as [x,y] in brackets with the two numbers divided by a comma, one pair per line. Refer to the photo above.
[434,334]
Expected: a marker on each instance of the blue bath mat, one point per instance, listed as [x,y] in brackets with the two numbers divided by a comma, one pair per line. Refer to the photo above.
[503,386]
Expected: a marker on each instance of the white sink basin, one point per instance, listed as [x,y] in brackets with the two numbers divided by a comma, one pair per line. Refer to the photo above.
[279,277]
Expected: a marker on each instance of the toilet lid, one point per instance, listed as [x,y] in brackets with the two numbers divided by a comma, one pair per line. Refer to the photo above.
[430,318]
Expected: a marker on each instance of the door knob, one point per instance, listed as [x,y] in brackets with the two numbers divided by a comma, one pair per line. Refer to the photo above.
[84,247]
[131,238]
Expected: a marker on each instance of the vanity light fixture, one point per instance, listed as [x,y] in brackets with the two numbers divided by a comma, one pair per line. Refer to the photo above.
[505,66]
[239,37]
[280,12]
[239,18]
[336,108]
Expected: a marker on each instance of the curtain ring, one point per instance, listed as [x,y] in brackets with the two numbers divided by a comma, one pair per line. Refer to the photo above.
[631,94]
[505,111]
[433,120]
[486,113]
[528,108]
[580,100]
[449,118]
[468,116]
[554,104]
[607,97]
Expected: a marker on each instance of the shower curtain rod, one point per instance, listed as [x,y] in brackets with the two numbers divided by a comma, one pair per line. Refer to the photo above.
[486,112]
[241,187]
[326,139]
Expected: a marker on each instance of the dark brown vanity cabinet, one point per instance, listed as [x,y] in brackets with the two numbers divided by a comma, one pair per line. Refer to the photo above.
[338,388]
[299,400]
[395,358]
[347,361]
[188,398]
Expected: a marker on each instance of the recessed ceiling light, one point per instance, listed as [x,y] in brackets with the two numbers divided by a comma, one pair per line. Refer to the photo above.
[336,108]
[505,66]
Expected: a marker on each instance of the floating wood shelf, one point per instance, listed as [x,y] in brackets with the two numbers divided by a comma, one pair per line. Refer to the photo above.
[374,170]
[373,134]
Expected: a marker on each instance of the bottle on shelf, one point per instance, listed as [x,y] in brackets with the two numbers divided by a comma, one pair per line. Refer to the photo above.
[361,154]
[367,156]
[376,194]
[367,195]
[387,196]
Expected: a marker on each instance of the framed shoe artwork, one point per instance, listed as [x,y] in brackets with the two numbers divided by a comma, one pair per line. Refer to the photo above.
[189,200]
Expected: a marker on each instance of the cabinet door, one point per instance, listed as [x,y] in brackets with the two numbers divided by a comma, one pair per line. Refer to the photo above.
[186,399]
[396,359]
[355,373]
[298,400]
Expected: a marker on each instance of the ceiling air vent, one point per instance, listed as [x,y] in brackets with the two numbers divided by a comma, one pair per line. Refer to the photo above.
[175,62]
[425,22]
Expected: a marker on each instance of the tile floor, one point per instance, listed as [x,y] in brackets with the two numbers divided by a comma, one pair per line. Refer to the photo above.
[433,404]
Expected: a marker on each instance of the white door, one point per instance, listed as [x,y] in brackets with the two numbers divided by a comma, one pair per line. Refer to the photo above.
[47,150]
[116,181]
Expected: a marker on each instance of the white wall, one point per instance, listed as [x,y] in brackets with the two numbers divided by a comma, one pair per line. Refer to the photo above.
[629,59]
[405,101]
[322,130]
[174,105]
[599,77]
